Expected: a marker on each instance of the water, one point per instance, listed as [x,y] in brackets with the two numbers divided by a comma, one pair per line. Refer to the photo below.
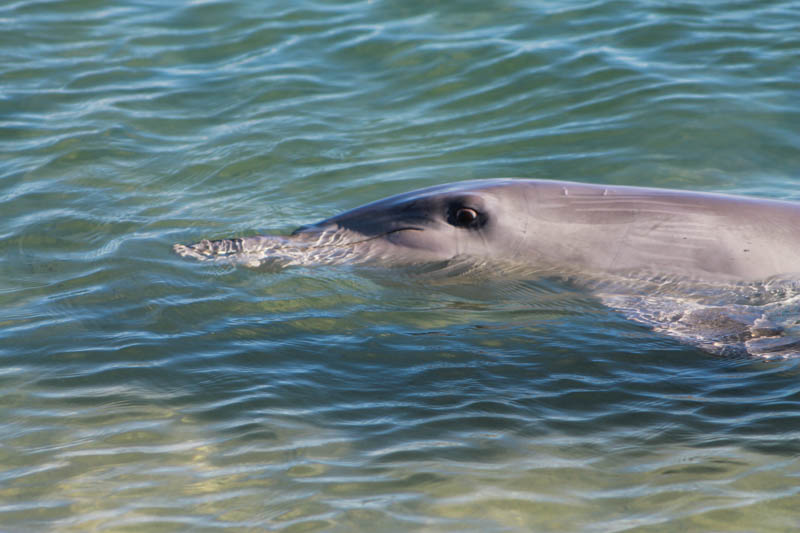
[144,392]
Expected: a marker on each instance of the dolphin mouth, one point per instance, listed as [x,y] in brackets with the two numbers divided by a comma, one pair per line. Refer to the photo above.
[326,238]
[378,236]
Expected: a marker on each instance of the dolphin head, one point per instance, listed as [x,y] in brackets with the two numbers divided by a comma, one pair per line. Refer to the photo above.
[485,219]
[479,219]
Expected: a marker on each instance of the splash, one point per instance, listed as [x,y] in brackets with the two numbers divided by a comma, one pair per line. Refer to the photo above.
[759,319]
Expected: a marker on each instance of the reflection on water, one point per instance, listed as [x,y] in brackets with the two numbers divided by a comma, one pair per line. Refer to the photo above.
[141,392]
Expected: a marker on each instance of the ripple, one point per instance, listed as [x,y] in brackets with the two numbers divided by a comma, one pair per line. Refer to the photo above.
[142,392]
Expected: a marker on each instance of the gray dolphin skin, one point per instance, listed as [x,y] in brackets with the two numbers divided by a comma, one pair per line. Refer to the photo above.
[548,226]
[715,271]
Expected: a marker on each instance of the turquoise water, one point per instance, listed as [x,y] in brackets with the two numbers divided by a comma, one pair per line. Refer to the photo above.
[143,392]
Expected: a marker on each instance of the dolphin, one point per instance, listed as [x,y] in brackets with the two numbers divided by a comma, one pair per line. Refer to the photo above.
[718,271]
[546,225]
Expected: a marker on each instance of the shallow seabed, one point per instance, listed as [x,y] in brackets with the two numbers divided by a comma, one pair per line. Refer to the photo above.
[142,392]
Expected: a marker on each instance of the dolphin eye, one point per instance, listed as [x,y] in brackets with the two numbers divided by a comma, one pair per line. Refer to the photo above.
[464,216]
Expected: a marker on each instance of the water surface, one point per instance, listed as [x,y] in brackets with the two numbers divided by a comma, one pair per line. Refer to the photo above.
[142,392]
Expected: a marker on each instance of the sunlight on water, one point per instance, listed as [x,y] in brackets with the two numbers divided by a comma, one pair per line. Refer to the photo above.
[145,392]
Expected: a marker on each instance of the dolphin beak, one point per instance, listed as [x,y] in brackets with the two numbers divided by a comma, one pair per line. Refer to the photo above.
[315,244]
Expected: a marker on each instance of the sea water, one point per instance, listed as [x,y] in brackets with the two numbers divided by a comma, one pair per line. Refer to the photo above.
[143,392]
